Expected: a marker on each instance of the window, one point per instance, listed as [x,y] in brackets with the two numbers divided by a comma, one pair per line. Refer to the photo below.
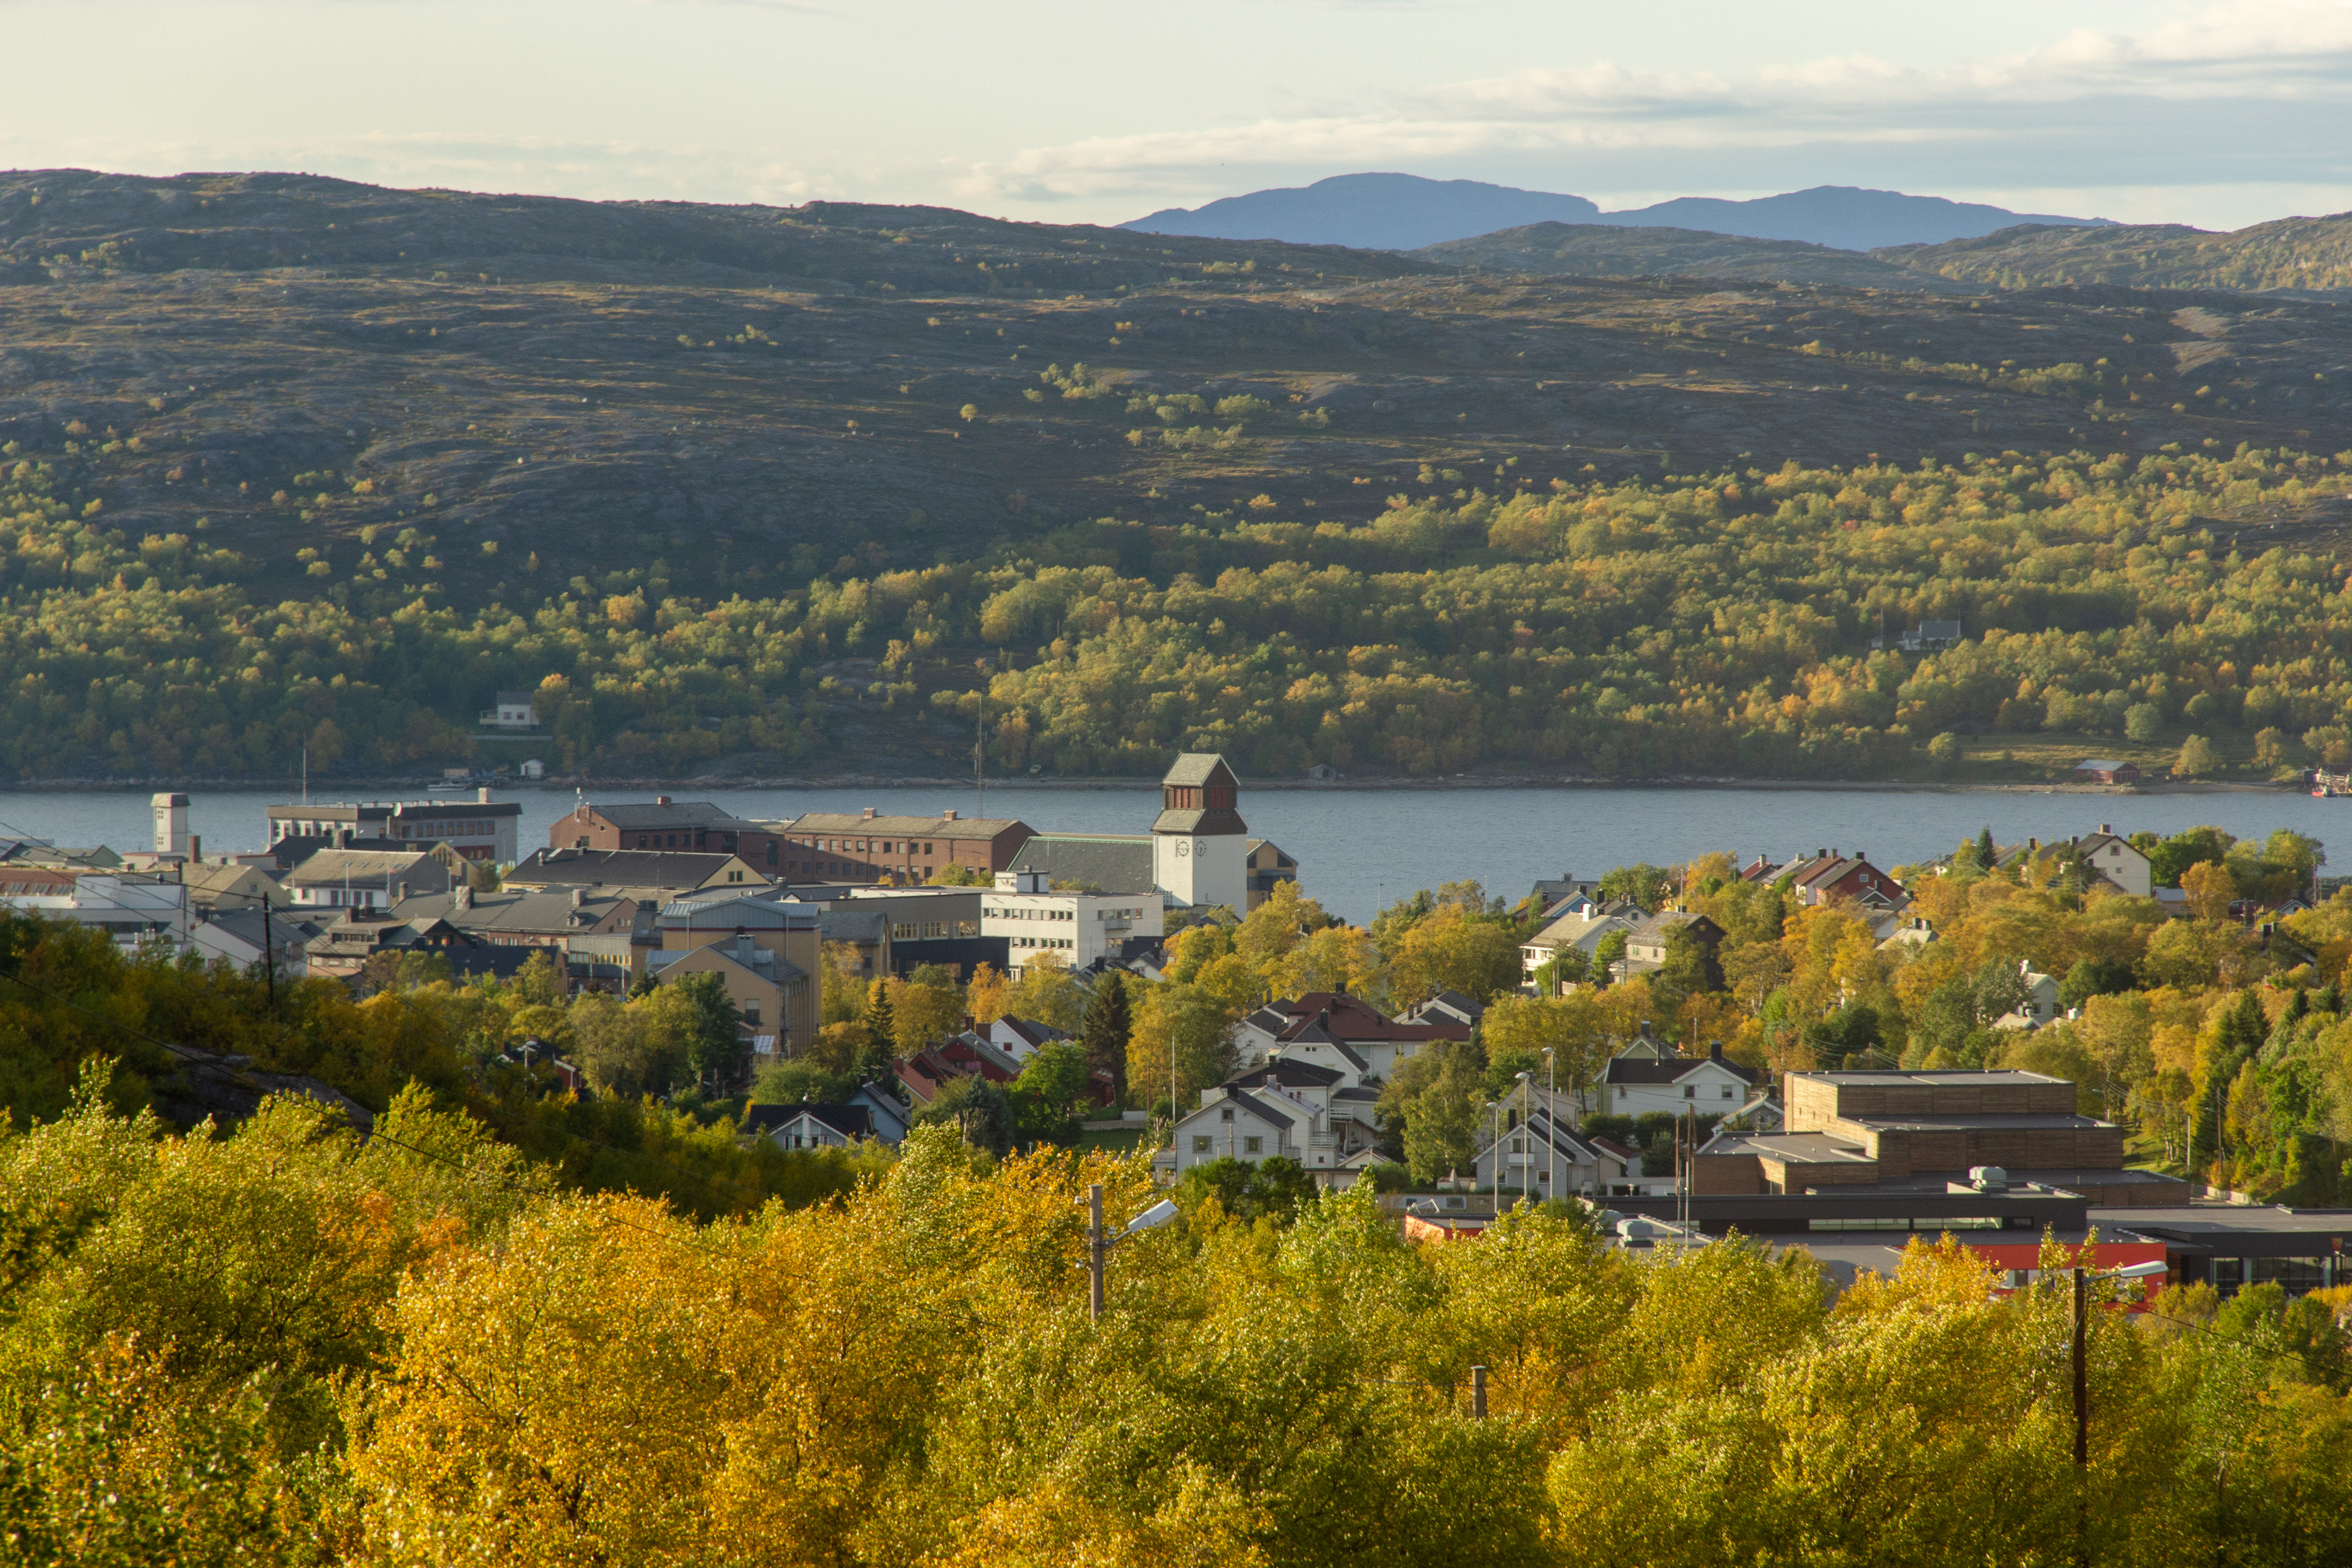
[1690,1091]
[750,1012]
[1225,1114]
[1727,1091]
[1199,1145]
[1519,1145]
[927,848]
[1253,1145]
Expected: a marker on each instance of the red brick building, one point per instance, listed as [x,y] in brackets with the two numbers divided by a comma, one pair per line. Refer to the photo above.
[835,846]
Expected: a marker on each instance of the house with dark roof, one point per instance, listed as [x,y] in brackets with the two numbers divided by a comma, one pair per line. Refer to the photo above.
[673,870]
[811,1124]
[1373,1038]
[1021,1037]
[1543,1157]
[2106,771]
[1445,1008]
[1641,1078]
[1646,944]
[1288,1109]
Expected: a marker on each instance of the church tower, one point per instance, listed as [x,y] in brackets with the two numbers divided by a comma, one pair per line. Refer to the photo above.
[1199,848]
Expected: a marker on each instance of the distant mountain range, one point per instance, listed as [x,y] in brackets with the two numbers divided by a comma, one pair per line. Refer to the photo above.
[1405,212]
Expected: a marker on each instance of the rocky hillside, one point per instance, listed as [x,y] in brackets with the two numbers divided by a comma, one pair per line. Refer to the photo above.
[1605,251]
[2302,254]
[545,389]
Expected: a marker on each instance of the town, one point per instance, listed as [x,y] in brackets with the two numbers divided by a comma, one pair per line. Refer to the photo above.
[2010,1046]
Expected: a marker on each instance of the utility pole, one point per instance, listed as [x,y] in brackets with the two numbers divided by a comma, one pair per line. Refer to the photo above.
[1478,1394]
[1095,1247]
[2081,1418]
[269,956]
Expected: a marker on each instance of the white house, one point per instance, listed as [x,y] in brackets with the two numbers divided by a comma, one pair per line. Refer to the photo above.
[868,1112]
[514,711]
[1638,1079]
[1289,1108]
[1021,1038]
[239,937]
[1582,928]
[2041,1005]
[2116,859]
[1077,927]
[1371,1043]
[1543,1158]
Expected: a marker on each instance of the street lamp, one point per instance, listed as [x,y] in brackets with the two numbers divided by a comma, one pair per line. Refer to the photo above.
[1551,1122]
[1527,1167]
[2082,1278]
[1099,1245]
[1495,1107]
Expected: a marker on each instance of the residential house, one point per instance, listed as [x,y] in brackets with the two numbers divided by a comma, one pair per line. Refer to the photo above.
[1646,944]
[1373,1038]
[241,936]
[1638,1081]
[523,917]
[1911,932]
[1827,875]
[227,885]
[1020,1039]
[2041,1005]
[967,1055]
[1271,1114]
[1927,637]
[1445,1008]
[21,880]
[1580,930]
[811,1124]
[1549,892]
[2106,771]
[1543,1157]
[514,711]
[372,878]
[2118,860]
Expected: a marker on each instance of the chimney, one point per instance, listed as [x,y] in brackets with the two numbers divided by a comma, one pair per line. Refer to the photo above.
[483,795]
[867,814]
[195,849]
[578,896]
[1714,1051]
[946,817]
[2106,828]
[661,800]
[461,898]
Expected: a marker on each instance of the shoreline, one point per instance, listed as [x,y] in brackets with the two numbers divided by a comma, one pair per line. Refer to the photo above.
[1065,785]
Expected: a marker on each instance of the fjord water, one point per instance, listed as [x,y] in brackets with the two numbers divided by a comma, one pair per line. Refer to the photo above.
[1359,848]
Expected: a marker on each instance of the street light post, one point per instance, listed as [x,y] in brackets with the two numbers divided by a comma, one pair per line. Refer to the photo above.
[1098,1245]
[1527,1123]
[2083,1279]
[1552,1123]
[1496,1107]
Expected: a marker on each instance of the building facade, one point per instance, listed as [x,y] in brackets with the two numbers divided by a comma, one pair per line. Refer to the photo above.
[476,829]
[867,846]
[1200,845]
[1078,928]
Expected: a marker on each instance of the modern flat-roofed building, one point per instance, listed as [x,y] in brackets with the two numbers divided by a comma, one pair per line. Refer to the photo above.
[1081,929]
[476,829]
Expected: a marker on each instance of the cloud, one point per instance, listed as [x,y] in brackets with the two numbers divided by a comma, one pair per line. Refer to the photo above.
[2234,93]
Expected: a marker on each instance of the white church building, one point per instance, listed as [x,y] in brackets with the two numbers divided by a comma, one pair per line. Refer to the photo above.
[1199,855]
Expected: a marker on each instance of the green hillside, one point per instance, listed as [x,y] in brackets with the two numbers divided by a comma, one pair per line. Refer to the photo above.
[2295,253]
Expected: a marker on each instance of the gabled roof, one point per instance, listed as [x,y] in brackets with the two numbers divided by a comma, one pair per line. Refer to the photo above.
[849,1121]
[1197,768]
[1672,1069]
[363,867]
[1289,1073]
[1107,862]
[2100,764]
[1031,1031]
[1313,1033]
[1664,923]
[1357,1021]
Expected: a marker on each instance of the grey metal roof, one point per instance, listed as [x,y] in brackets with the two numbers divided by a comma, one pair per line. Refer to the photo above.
[1297,1074]
[1195,768]
[1109,863]
[1672,1069]
[674,868]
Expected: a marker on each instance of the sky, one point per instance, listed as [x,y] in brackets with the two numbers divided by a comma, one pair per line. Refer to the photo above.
[1101,110]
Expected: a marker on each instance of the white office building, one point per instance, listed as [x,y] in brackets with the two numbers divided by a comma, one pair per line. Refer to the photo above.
[1076,928]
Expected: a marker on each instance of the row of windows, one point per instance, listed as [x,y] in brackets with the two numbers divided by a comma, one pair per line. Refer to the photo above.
[1690,1091]
[861,845]
[444,829]
[1208,1145]
[931,931]
[1043,942]
[1020,914]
